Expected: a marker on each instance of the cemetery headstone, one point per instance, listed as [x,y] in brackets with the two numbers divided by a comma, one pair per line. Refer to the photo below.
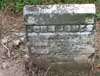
[62,38]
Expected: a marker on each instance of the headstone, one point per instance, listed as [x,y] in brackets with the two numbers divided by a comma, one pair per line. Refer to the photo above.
[62,36]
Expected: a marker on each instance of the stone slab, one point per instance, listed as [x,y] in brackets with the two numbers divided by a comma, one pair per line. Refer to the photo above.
[62,34]
[59,14]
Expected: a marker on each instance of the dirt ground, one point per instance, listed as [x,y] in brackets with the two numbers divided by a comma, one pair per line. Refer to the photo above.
[10,66]
[14,66]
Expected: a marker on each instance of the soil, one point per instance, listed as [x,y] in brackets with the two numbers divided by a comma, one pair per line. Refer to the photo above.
[10,66]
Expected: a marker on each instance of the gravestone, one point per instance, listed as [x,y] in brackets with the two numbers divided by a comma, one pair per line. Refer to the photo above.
[62,38]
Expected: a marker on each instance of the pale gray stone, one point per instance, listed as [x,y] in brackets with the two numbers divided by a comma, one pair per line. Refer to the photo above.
[63,34]
[60,14]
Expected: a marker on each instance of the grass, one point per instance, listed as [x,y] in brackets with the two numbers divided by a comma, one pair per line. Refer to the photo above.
[17,5]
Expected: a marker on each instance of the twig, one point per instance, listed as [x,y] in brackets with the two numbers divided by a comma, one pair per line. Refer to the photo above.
[92,72]
[48,69]
[8,51]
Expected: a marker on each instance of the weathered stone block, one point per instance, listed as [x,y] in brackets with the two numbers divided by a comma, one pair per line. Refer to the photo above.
[59,14]
[62,34]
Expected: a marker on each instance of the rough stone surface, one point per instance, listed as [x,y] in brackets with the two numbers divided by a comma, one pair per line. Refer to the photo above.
[61,38]
[64,46]
[60,14]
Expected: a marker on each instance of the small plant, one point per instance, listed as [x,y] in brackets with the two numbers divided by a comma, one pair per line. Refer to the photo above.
[2,4]
[17,5]
[98,9]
